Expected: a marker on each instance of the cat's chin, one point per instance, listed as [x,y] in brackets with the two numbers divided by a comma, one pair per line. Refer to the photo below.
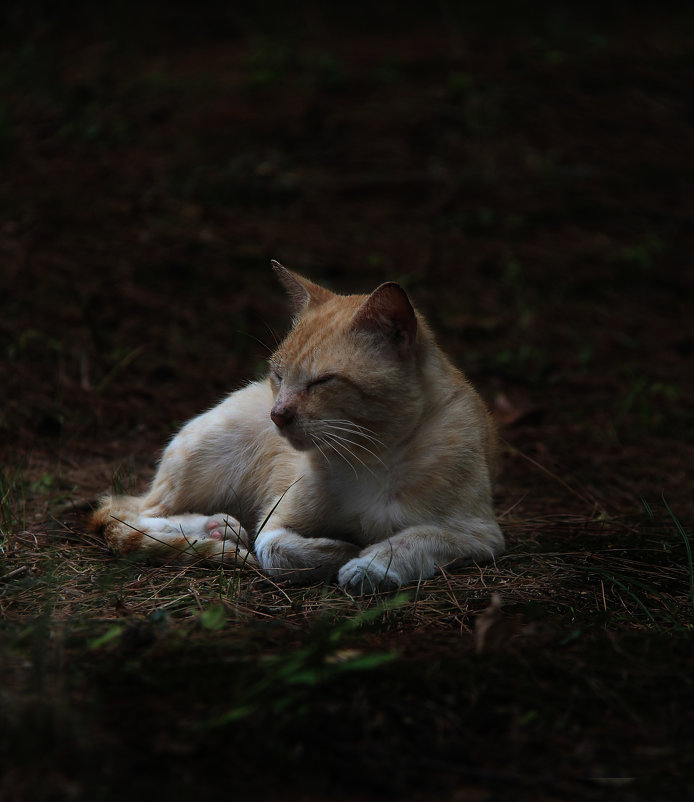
[298,443]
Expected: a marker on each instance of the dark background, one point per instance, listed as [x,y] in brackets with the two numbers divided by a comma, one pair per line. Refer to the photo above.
[526,172]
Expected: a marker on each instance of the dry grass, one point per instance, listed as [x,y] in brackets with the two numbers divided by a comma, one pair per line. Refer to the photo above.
[535,644]
[629,571]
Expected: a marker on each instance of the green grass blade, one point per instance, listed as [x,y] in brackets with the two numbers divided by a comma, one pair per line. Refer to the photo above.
[687,548]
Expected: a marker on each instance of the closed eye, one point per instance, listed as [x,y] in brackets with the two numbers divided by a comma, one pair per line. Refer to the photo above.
[321,380]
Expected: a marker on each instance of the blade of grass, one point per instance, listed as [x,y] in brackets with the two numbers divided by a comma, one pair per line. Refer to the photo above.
[687,548]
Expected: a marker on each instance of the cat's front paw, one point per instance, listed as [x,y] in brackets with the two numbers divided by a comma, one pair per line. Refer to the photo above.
[368,575]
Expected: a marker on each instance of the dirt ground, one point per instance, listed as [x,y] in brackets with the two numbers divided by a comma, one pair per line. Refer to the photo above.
[529,180]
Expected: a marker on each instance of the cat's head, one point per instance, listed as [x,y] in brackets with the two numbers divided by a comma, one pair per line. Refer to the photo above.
[346,379]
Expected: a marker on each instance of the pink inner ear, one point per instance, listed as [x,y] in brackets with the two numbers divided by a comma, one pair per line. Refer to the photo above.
[388,310]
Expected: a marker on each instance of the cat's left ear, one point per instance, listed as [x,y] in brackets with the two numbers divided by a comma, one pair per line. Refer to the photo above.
[302,292]
[388,311]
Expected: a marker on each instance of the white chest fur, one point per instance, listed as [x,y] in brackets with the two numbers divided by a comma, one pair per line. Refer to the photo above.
[369,505]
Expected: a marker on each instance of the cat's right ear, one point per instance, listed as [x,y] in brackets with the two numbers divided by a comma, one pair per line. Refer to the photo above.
[302,292]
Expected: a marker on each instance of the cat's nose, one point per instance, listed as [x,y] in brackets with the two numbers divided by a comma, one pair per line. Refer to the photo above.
[282,416]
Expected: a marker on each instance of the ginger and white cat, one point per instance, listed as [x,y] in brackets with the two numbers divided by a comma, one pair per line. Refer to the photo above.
[364,454]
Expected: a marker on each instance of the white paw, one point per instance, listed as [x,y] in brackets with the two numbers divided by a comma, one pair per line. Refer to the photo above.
[224,527]
[368,575]
[266,550]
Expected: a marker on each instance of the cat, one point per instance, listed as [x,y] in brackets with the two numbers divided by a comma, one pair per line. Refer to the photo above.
[364,454]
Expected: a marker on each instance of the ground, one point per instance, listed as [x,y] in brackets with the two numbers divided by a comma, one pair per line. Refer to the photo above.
[529,180]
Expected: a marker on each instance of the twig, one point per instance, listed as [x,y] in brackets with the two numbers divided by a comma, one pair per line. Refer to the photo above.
[12,574]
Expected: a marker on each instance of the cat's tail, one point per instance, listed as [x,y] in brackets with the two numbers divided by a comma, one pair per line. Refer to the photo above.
[132,530]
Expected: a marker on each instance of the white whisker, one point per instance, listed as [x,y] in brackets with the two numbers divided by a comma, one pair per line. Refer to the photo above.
[355,432]
[351,424]
[340,454]
[358,445]
[336,441]
[314,440]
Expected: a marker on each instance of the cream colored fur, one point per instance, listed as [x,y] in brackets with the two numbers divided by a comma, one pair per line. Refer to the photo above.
[363,455]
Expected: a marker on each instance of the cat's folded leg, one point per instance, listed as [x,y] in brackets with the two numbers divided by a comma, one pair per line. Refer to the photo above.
[130,529]
[287,555]
[416,553]
[220,538]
